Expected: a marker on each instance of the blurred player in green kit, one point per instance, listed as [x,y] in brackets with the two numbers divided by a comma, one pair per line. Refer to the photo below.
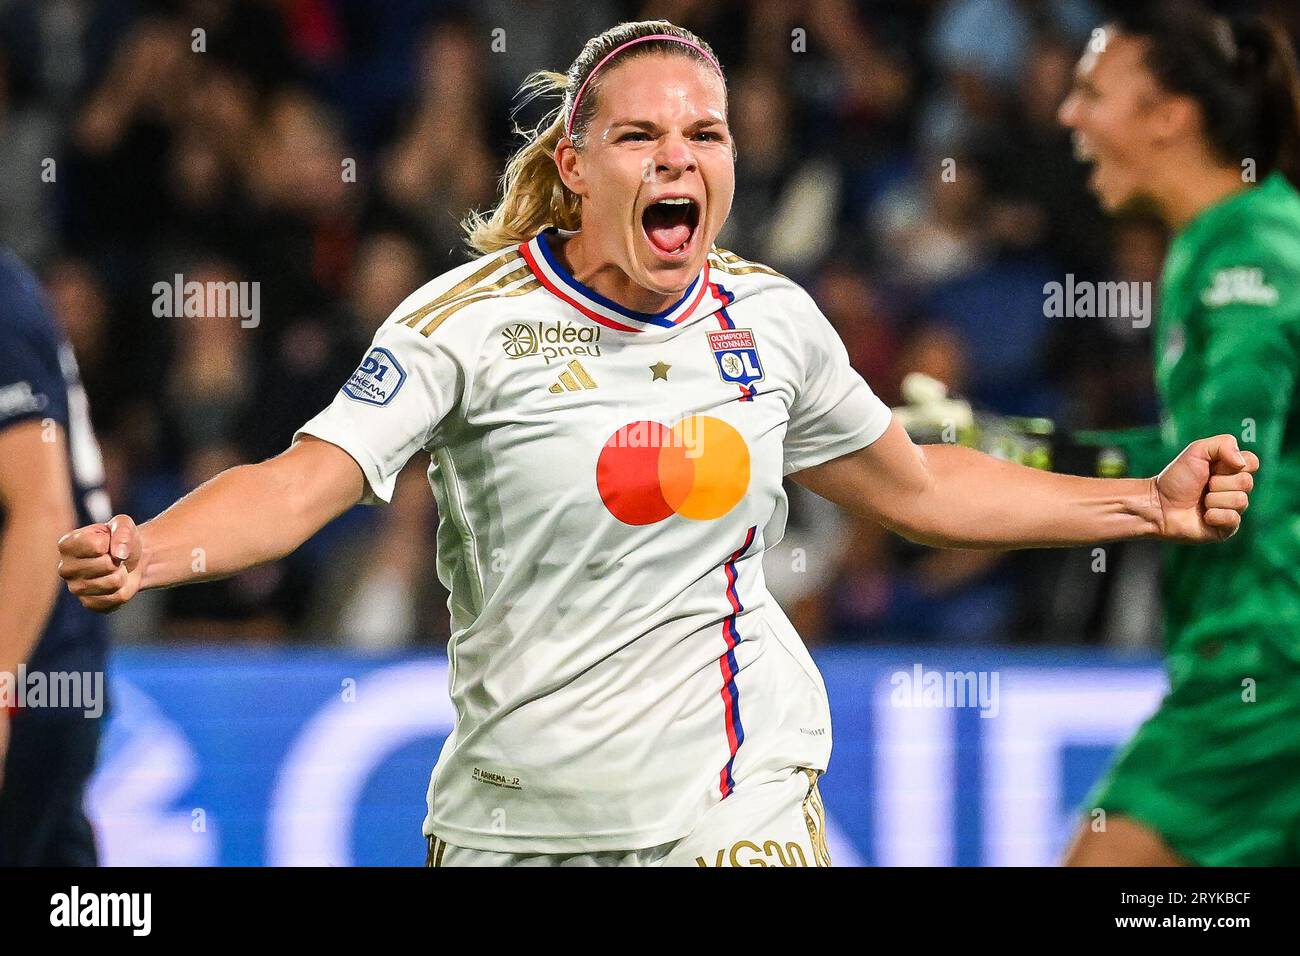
[1198,118]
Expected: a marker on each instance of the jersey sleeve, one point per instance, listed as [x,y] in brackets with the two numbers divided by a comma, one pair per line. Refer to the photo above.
[1244,328]
[400,399]
[834,411]
[31,380]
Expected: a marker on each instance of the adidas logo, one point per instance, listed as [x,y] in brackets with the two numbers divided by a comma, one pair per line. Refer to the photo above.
[574,380]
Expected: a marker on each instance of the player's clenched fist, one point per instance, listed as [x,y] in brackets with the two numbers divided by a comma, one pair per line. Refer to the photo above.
[101,563]
[1205,489]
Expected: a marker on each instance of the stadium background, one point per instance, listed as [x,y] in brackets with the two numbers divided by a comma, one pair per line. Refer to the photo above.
[234,163]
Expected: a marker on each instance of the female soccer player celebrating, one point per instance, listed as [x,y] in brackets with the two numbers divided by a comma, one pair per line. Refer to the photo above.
[1182,112]
[610,403]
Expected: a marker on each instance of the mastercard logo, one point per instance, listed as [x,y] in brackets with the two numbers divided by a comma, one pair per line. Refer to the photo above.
[698,468]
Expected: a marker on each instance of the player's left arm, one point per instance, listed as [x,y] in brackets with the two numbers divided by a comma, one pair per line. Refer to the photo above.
[955,497]
[36,504]
[36,500]
[842,443]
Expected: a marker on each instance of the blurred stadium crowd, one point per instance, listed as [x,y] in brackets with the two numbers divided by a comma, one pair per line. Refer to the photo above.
[233,164]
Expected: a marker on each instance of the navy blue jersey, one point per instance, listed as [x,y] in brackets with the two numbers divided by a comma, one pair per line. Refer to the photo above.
[39,381]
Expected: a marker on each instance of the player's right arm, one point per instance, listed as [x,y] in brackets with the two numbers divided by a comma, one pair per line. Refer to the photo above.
[394,404]
[244,517]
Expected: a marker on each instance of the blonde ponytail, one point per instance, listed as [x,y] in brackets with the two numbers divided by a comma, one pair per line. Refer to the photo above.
[532,194]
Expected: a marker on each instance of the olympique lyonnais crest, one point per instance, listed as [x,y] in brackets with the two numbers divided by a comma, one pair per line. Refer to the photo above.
[737,356]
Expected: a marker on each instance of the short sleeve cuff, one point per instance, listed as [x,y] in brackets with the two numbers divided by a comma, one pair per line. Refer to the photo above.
[839,446]
[379,486]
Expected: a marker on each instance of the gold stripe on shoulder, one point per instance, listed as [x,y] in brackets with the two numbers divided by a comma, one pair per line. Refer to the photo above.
[464,287]
[451,306]
[727,261]
[494,291]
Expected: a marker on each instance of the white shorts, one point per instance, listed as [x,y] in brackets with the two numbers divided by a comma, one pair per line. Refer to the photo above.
[779,822]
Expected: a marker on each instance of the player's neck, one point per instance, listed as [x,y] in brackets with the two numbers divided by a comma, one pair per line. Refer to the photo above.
[1187,195]
[607,278]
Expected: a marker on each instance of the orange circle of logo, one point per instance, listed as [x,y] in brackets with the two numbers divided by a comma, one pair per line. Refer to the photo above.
[698,469]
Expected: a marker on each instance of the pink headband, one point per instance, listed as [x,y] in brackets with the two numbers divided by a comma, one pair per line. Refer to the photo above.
[573,112]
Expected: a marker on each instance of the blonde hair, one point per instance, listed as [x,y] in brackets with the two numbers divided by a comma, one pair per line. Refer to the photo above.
[533,196]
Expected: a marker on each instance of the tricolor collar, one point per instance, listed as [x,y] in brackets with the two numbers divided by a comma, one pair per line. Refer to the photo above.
[699,298]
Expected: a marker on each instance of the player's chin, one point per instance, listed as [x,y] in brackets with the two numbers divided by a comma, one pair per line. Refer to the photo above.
[1122,203]
[1116,194]
[671,272]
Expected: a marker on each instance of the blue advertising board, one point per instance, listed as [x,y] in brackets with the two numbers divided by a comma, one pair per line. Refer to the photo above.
[312,757]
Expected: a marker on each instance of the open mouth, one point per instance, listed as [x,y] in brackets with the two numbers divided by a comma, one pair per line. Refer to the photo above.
[1083,151]
[670,225]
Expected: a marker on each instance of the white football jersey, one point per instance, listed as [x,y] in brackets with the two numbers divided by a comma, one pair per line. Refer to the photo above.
[607,482]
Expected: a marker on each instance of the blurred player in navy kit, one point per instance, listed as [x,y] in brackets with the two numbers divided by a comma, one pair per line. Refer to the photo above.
[50,474]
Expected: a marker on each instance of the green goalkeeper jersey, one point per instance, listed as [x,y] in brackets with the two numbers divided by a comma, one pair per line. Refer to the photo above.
[1227,354]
